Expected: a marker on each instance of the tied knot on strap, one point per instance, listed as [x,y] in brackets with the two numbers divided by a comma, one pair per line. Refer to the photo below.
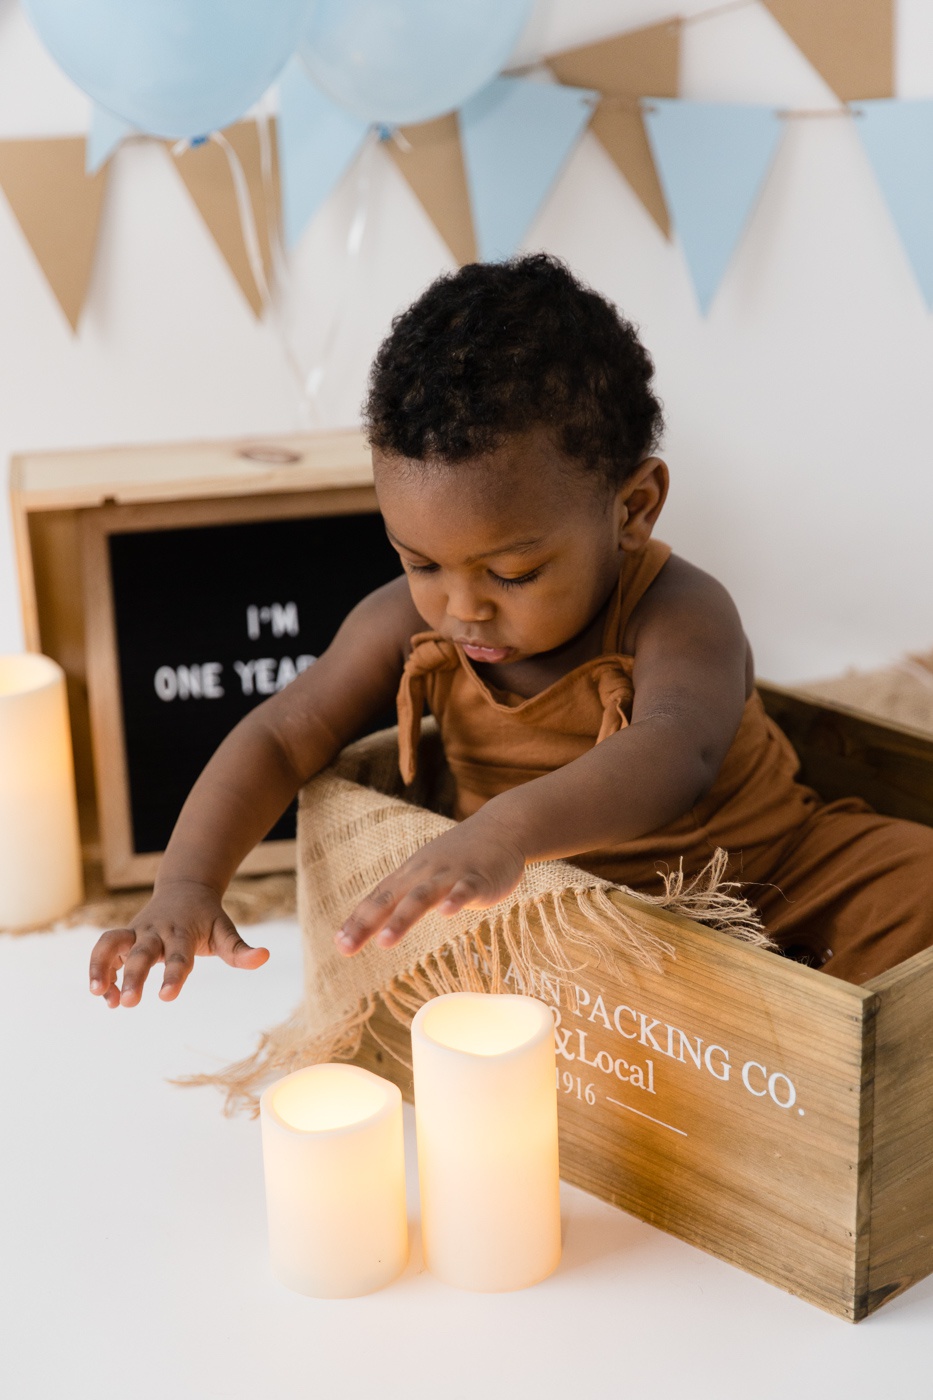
[429,653]
[615,693]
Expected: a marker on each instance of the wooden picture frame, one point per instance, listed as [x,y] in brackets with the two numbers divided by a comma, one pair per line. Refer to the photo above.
[60,504]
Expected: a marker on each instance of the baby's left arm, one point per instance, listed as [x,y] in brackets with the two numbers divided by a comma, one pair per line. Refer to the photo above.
[692,676]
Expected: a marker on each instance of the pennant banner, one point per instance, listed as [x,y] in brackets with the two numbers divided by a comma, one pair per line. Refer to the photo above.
[58,208]
[105,135]
[433,167]
[849,42]
[898,137]
[712,158]
[317,142]
[209,179]
[517,135]
[641,63]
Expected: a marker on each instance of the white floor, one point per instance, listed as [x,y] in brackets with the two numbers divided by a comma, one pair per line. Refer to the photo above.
[132,1251]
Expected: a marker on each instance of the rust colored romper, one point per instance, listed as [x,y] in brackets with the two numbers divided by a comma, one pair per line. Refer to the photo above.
[837,885]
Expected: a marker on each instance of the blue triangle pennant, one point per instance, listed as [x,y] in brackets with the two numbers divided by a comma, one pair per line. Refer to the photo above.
[317,141]
[898,137]
[104,136]
[712,158]
[516,136]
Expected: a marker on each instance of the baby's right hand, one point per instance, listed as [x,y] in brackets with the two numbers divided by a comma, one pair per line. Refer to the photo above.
[182,920]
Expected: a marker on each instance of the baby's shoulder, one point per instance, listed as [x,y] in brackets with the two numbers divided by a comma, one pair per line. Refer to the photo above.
[682,600]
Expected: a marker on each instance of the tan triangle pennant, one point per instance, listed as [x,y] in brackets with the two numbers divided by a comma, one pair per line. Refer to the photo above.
[209,180]
[58,208]
[433,167]
[641,63]
[849,42]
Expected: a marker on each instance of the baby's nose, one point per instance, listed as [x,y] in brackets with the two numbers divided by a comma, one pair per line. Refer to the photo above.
[464,605]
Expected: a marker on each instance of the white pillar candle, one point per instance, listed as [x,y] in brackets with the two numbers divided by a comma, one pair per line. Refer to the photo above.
[486,1114]
[334,1155]
[40,850]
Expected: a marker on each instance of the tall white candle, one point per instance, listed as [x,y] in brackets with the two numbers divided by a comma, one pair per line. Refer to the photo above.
[486,1114]
[334,1155]
[40,850]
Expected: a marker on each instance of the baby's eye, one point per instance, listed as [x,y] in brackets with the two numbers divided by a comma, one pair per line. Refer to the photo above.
[515,582]
[411,568]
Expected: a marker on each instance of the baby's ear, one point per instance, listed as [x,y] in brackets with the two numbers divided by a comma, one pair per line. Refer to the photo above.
[641,499]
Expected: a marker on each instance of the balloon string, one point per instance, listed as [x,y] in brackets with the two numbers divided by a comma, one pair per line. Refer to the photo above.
[247,218]
[354,243]
[276,243]
[309,385]
[248,228]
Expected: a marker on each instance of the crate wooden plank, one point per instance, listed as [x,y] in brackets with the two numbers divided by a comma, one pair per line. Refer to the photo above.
[845,753]
[665,1108]
[901,1226]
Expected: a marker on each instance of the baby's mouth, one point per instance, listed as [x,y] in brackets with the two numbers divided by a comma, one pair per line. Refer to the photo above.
[489,655]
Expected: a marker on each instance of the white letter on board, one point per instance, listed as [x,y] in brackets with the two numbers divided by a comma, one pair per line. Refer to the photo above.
[210,680]
[166,683]
[265,675]
[720,1071]
[749,1065]
[286,673]
[244,670]
[285,619]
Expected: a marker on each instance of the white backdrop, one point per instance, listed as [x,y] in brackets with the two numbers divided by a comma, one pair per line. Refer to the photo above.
[800,417]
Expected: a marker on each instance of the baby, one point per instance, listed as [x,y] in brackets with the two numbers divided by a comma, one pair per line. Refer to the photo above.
[594,692]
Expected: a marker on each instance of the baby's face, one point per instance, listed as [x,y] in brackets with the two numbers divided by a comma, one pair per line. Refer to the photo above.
[510,554]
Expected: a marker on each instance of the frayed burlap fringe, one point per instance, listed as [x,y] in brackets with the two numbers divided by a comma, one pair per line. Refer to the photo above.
[353,831]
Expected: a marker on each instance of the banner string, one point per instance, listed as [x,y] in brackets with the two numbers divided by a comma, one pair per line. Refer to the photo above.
[715,12]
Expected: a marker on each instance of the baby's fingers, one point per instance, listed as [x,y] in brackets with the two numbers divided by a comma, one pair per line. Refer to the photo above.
[147,950]
[107,955]
[470,890]
[410,909]
[235,951]
[368,918]
[179,960]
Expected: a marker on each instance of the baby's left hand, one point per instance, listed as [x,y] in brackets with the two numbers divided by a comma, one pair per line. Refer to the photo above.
[475,864]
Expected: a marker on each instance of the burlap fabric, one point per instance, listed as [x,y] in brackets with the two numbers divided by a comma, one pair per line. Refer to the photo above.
[356,825]
[902,693]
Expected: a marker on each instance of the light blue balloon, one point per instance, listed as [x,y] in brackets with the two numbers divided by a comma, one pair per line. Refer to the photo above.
[397,61]
[175,68]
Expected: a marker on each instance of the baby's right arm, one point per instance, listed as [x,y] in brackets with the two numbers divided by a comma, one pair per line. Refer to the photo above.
[243,791]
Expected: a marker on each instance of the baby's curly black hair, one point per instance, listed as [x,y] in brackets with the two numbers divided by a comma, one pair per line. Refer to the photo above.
[500,348]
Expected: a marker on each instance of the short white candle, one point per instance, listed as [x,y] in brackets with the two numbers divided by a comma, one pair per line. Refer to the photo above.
[40,850]
[334,1155]
[486,1115]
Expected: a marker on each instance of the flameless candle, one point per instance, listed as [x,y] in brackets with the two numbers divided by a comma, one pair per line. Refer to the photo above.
[40,851]
[334,1157]
[486,1114]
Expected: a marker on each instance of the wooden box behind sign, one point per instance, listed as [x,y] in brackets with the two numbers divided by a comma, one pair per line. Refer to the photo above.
[69,506]
[772,1115]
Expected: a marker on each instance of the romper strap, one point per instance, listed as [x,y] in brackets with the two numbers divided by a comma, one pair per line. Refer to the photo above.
[429,652]
[614,684]
[636,576]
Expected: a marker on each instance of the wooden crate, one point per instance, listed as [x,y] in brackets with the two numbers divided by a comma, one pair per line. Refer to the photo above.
[60,502]
[772,1115]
